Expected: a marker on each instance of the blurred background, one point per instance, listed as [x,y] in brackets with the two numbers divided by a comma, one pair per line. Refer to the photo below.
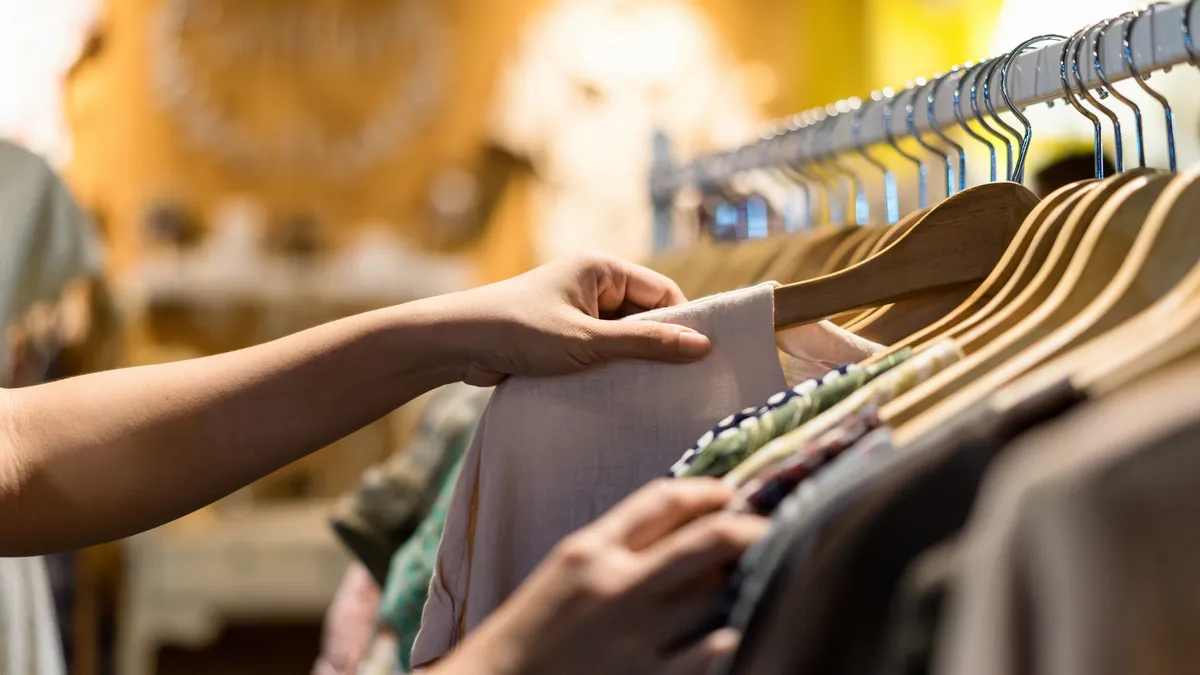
[254,167]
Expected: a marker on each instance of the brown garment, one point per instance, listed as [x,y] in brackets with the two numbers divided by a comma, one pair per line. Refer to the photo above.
[1082,554]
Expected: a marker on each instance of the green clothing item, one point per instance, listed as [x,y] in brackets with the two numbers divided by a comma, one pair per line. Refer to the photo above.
[734,445]
[412,569]
[412,564]
[394,498]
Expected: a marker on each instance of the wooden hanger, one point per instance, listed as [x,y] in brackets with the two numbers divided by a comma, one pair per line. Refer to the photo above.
[842,256]
[1158,335]
[992,292]
[893,233]
[962,244]
[1047,266]
[1103,252]
[878,233]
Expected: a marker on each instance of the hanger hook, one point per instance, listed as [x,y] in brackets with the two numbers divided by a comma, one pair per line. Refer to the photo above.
[930,101]
[889,103]
[891,198]
[837,192]
[1139,128]
[986,68]
[987,101]
[958,113]
[781,151]
[1086,93]
[806,162]
[1027,137]
[1098,131]
[910,117]
[1127,43]
[856,186]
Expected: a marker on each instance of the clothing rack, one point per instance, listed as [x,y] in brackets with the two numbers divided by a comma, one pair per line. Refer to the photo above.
[1157,42]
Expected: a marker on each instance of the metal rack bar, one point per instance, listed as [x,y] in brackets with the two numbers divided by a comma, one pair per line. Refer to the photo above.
[1157,43]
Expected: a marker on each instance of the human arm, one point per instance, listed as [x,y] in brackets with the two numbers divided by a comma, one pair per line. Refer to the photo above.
[107,455]
[627,594]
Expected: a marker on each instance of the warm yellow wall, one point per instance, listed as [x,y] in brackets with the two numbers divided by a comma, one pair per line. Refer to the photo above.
[907,39]
[128,152]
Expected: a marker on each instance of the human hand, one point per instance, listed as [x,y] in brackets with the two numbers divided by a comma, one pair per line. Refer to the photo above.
[620,595]
[554,320]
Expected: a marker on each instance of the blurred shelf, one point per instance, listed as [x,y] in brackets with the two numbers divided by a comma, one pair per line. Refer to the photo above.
[186,580]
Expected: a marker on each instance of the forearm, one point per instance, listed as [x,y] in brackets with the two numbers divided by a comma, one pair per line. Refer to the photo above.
[104,456]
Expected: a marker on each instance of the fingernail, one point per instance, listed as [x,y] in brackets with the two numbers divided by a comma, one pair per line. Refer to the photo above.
[693,345]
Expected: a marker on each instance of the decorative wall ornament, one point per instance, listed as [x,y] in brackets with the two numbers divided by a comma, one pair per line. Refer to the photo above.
[332,86]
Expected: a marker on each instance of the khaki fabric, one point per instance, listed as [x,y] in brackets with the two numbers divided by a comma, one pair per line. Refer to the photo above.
[551,455]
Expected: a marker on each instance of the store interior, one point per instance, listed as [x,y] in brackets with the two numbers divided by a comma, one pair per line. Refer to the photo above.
[239,170]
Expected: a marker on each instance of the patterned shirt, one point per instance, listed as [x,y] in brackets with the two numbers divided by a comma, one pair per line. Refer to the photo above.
[795,407]
[880,392]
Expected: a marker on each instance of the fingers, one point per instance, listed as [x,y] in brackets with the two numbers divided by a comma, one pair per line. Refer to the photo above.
[623,282]
[682,619]
[660,508]
[699,548]
[647,340]
[697,659]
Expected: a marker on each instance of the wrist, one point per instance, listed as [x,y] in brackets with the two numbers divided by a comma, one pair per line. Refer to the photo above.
[441,331]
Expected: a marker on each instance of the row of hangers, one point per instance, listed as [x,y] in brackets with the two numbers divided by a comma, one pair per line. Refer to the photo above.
[1097,283]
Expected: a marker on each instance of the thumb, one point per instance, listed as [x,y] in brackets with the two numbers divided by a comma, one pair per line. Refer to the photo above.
[648,340]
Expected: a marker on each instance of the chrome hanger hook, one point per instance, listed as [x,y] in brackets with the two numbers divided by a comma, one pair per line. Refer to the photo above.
[986,69]
[890,97]
[909,115]
[1098,131]
[781,156]
[891,197]
[1086,93]
[1127,43]
[859,198]
[987,101]
[806,161]
[837,195]
[1139,128]
[930,102]
[1027,137]
[958,113]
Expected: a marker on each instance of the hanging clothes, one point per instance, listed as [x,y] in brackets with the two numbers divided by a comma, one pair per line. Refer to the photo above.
[550,456]
[1081,556]
[849,400]
[395,498]
[829,613]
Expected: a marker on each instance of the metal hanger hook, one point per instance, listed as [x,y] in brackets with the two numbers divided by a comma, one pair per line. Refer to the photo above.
[930,102]
[891,198]
[1127,43]
[1086,93]
[1139,128]
[910,117]
[1098,131]
[958,113]
[1027,137]
[997,64]
[986,70]
[889,103]
[857,192]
